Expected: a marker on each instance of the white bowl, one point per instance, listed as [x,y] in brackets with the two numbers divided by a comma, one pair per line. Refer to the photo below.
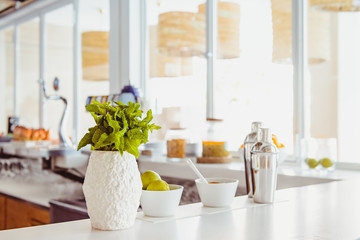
[161,203]
[219,194]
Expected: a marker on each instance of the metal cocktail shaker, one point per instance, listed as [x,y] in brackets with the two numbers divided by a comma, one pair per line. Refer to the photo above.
[249,142]
[264,164]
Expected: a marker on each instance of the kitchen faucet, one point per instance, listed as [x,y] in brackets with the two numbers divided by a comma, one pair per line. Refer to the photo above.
[64,141]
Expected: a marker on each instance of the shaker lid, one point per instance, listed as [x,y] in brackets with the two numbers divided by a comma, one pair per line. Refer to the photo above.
[268,146]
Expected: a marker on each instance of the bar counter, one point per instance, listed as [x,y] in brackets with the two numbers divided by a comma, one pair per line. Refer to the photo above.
[323,211]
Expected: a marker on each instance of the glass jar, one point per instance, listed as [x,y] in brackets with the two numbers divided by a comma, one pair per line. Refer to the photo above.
[176,139]
[214,142]
[319,153]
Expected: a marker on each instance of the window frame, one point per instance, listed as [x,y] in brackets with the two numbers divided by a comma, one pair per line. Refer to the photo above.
[39,10]
[301,114]
[137,61]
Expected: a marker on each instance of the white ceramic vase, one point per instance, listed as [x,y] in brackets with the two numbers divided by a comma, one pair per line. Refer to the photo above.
[112,189]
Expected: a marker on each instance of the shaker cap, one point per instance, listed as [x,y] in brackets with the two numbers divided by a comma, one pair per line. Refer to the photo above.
[255,126]
[265,136]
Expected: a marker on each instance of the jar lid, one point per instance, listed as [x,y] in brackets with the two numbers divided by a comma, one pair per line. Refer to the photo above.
[214,119]
[177,128]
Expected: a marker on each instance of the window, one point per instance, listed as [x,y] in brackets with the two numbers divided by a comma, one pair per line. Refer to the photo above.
[56,41]
[6,76]
[254,79]
[333,49]
[59,64]
[28,73]
[253,70]
[94,29]
[176,85]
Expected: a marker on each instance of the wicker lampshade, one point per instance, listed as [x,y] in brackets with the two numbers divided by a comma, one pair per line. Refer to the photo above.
[95,55]
[165,65]
[318,33]
[335,5]
[228,29]
[181,34]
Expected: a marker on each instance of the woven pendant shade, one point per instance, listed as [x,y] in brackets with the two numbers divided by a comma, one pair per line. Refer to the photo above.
[336,5]
[95,55]
[228,29]
[282,36]
[165,65]
[181,34]
[318,33]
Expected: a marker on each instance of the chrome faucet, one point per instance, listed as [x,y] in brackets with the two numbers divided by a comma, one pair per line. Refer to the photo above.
[64,141]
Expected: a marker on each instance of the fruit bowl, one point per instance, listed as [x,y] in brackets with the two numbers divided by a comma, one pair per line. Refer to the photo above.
[161,203]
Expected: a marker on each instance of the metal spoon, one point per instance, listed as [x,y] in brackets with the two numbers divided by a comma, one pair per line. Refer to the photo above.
[196,171]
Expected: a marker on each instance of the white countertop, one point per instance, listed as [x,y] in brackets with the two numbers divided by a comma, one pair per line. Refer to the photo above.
[322,211]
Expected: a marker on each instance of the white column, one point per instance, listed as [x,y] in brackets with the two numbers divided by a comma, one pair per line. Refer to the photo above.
[144,47]
[42,65]
[211,46]
[348,87]
[301,76]
[124,42]
[16,67]
[3,52]
[76,71]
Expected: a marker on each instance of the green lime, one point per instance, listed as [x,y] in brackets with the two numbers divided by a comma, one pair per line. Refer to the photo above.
[312,163]
[326,162]
[148,177]
[158,185]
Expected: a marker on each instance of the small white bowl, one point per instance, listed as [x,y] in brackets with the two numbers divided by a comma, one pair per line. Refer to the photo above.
[161,203]
[220,194]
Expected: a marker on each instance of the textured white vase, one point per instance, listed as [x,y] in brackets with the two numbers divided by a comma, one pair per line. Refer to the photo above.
[112,189]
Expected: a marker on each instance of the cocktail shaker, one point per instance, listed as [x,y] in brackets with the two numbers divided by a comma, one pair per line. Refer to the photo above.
[264,164]
[249,142]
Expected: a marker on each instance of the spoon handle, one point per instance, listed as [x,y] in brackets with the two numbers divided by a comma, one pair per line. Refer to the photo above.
[194,168]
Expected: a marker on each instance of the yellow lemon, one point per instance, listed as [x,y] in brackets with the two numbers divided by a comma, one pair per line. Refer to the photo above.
[312,163]
[326,162]
[158,185]
[148,177]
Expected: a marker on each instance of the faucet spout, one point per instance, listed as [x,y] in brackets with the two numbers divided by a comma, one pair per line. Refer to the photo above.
[64,140]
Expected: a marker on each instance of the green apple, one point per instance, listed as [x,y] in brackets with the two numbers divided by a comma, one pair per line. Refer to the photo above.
[312,162]
[148,177]
[158,185]
[326,162]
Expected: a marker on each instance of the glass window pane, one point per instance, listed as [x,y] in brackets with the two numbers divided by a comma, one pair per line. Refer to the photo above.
[59,64]
[6,77]
[28,74]
[254,80]
[176,85]
[334,57]
[94,23]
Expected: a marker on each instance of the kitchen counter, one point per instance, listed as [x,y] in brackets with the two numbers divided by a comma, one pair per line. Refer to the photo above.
[323,211]
[41,189]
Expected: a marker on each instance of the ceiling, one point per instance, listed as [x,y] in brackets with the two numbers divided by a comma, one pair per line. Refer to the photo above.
[9,6]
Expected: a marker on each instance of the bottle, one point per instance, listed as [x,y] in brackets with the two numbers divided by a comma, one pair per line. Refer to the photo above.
[176,139]
[264,157]
[214,143]
[249,142]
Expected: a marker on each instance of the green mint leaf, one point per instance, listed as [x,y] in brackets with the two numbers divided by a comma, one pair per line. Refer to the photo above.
[119,127]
